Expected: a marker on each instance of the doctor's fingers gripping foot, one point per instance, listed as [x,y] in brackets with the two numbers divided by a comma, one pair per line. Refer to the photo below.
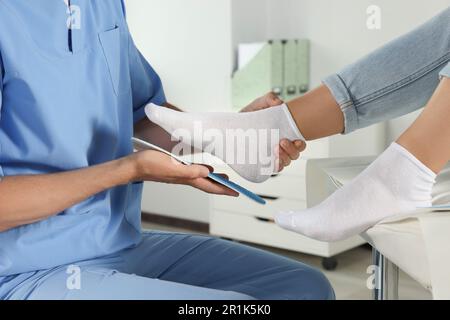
[393,185]
[245,141]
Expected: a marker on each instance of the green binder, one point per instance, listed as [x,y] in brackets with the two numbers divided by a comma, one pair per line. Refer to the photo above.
[254,79]
[290,70]
[303,66]
[280,66]
[277,85]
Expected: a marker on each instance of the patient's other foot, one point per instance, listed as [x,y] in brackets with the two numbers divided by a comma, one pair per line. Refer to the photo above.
[394,184]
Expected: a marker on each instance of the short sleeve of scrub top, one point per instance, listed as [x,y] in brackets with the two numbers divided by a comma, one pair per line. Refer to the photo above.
[145,83]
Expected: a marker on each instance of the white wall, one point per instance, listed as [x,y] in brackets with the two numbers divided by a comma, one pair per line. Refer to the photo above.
[337,29]
[188,43]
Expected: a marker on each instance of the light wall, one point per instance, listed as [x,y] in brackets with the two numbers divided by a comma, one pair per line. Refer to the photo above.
[188,43]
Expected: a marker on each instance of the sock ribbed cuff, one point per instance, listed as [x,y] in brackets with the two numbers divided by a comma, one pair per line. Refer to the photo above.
[292,122]
[402,150]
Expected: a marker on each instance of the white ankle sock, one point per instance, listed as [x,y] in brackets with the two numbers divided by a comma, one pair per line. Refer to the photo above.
[394,184]
[216,132]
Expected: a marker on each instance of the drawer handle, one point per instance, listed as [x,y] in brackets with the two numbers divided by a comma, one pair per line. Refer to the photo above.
[269,198]
[264,219]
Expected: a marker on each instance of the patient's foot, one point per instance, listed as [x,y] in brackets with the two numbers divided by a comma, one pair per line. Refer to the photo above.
[245,141]
[394,184]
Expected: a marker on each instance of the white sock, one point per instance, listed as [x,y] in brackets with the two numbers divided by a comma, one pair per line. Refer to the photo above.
[218,133]
[394,184]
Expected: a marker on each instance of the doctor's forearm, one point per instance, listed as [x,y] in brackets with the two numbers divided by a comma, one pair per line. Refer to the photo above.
[27,199]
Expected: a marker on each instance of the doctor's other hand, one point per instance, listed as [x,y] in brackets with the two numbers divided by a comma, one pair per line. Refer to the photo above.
[287,150]
[155,166]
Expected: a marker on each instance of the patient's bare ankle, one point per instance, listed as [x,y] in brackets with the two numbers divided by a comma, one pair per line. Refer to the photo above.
[317,114]
[423,151]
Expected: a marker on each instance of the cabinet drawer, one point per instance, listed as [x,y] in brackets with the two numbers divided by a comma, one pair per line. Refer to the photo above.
[297,168]
[281,186]
[251,229]
[244,206]
[317,149]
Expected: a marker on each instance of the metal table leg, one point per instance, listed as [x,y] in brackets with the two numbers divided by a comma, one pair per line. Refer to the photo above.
[386,278]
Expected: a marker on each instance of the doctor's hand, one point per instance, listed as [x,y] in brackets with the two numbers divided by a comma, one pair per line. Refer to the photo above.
[155,166]
[287,150]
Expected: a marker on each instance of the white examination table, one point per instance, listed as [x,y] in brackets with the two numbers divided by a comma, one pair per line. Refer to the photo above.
[419,243]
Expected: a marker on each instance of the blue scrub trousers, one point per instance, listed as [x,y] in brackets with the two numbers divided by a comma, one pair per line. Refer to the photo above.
[179,266]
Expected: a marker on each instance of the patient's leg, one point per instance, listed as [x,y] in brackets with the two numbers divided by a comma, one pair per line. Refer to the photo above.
[398,78]
[429,136]
[399,181]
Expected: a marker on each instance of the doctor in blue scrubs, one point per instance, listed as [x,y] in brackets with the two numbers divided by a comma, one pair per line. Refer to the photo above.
[70,190]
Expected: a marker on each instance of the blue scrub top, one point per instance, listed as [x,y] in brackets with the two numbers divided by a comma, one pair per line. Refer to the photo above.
[68,100]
